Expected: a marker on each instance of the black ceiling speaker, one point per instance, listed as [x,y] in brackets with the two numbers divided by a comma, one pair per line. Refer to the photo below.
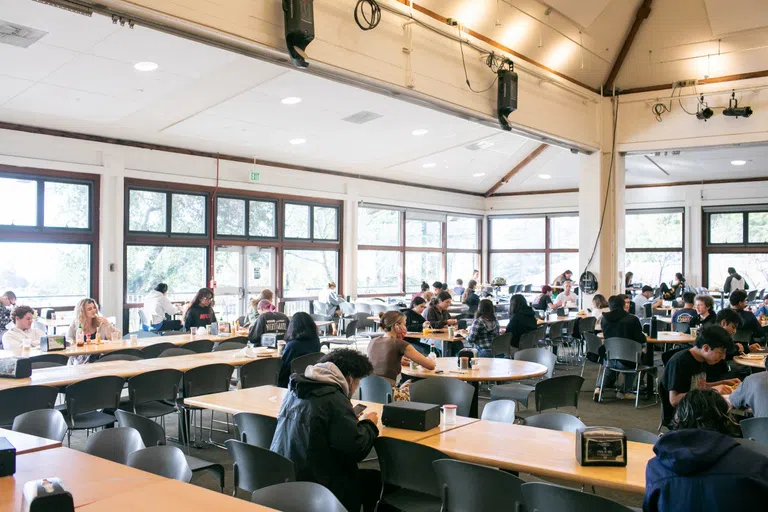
[299,29]
[507,98]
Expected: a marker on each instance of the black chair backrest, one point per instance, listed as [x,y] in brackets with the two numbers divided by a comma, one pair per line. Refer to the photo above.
[556,331]
[528,288]
[229,345]
[167,461]
[755,428]
[465,486]
[46,423]
[623,349]
[587,325]
[594,342]
[92,394]
[530,339]
[555,421]
[639,435]
[350,329]
[154,350]
[256,429]
[256,467]
[538,355]
[260,372]
[141,334]
[743,335]
[570,325]
[298,497]
[648,309]
[300,364]
[560,391]
[155,385]
[502,411]
[48,361]
[125,354]
[408,465]
[560,312]
[204,380]
[152,433]
[16,401]
[176,351]
[500,345]
[682,327]
[199,346]
[550,497]
[374,388]
[114,444]
[441,391]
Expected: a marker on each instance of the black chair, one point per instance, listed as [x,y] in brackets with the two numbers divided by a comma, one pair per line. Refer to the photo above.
[587,325]
[683,327]
[114,444]
[349,338]
[256,429]
[592,344]
[261,372]
[755,429]
[625,350]
[555,421]
[502,411]
[86,401]
[153,394]
[501,344]
[255,467]
[141,334]
[560,391]
[153,434]
[300,364]
[199,346]
[46,423]
[409,481]
[176,351]
[465,486]
[167,461]
[639,435]
[229,345]
[533,339]
[124,354]
[203,380]
[48,361]
[298,497]
[528,288]
[441,391]
[550,497]
[17,401]
[520,391]
[154,350]
[374,388]
[743,336]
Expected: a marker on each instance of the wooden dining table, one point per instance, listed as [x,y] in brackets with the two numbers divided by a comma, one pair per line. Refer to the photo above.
[25,443]
[751,360]
[552,319]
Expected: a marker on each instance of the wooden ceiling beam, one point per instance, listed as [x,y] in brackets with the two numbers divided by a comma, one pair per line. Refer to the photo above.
[519,167]
[642,13]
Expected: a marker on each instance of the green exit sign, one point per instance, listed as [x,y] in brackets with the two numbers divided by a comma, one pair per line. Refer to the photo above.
[255,176]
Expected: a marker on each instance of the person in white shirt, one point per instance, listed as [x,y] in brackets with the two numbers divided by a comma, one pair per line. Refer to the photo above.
[157,306]
[566,297]
[330,297]
[22,331]
[643,298]
[599,306]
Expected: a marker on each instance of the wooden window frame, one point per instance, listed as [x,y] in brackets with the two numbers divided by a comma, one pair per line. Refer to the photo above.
[681,249]
[745,247]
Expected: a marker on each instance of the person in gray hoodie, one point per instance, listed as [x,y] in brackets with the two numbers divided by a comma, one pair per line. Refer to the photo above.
[753,392]
[317,429]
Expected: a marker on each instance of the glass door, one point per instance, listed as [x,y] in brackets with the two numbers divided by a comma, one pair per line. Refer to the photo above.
[241,273]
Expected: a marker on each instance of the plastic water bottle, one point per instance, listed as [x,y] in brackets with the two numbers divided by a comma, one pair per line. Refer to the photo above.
[432,355]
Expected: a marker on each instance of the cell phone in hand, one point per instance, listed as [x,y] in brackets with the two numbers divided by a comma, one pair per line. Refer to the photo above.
[359,408]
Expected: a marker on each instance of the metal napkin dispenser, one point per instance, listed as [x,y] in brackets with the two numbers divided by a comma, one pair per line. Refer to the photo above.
[601,446]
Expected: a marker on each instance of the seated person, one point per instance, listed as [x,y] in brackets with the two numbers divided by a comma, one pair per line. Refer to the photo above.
[566,297]
[330,297]
[705,311]
[318,430]
[599,306]
[686,370]
[763,309]
[159,309]
[386,352]
[459,288]
[22,330]
[7,301]
[522,319]
[543,301]
[414,322]
[470,298]
[619,323]
[437,287]
[562,278]
[269,322]
[752,393]
[302,339]
[200,311]
[253,313]
[749,321]
[424,288]
[688,311]
[699,466]
[437,312]
[644,297]
[484,329]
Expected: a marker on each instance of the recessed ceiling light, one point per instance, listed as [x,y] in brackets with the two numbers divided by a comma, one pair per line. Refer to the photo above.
[145,66]
[429,165]
[290,100]
[545,176]
[484,144]
[297,141]
[420,131]
[478,175]
[738,162]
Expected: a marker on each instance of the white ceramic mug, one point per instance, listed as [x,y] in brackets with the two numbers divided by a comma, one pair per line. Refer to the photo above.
[449,414]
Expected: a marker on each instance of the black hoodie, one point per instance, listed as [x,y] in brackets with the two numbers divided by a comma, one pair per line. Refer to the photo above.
[521,322]
[617,323]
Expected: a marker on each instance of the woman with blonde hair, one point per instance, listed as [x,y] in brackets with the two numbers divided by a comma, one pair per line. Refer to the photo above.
[386,352]
[92,323]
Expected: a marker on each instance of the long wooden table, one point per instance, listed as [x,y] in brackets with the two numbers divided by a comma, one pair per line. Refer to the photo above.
[438,334]
[65,375]
[25,443]
[668,337]
[541,452]
[266,400]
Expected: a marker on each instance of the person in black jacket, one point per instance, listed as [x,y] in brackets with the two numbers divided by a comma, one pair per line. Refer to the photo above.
[749,323]
[543,301]
[319,431]
[200,312]
[302,340]
[268,322]
[470,298]
[522,319]
[437,312]
[414,322]
[618,323]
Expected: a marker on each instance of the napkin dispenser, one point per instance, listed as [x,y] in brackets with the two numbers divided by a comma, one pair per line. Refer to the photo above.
[15,367]
[47,495]
[601,446]
[411,416]
[7,458]
[52,343]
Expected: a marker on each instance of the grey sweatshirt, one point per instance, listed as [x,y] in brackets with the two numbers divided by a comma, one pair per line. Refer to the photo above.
[753,392]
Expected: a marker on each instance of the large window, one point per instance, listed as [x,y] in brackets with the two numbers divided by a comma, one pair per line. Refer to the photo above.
[533,249]
[183,269]
[654,245]
[49,235]
[736,237]
[398,249]
[160,212]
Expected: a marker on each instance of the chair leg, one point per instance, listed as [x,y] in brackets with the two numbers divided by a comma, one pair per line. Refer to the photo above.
[637,389]
[602,383]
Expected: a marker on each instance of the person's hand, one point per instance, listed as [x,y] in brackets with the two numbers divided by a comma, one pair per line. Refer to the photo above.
[733,382]
[404,361]
[452,321]
[372,416]
[755,347]
[722,389]
[103,321]
[740,348]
